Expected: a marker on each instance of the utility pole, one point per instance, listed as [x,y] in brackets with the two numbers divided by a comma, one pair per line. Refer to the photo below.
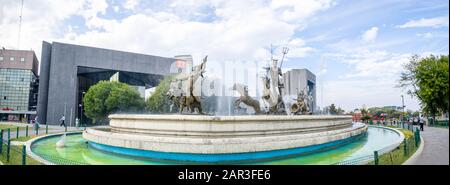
[403,107]
[20,25]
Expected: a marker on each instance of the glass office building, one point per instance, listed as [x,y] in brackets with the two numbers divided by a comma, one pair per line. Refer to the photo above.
[18,85]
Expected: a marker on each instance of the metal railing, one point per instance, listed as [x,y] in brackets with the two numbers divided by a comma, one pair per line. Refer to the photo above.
[390,155]
[60,161]
[12,154]
[17,154]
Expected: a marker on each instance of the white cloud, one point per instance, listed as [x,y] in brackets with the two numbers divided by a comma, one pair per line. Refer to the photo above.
[131,4]
[42,20]
[294,10]
[370,35]
[426,22]
[427,35]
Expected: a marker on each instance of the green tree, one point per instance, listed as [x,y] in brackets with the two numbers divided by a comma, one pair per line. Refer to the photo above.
[427,79]
[332,109]
[107,97]
[158,101]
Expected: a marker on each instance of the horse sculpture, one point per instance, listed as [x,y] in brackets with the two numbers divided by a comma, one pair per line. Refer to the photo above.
[245,98]
[182,90]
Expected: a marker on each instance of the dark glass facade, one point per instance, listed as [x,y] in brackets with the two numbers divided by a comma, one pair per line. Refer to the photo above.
[17,90]
[18,85]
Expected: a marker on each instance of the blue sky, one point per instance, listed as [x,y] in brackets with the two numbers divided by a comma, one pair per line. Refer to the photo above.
[356,48]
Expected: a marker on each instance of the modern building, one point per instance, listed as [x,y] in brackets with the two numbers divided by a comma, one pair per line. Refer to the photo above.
[184,63]
[68,70]
[296,80]
[18,85]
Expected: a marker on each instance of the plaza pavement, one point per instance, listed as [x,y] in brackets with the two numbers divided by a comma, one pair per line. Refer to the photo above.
[31,132]
[435,151]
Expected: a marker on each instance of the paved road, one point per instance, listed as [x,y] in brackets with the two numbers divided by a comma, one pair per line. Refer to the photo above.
[436,147]
[31,132]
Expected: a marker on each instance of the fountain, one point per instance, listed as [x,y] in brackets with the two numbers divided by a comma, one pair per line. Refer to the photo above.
[276,131]
[223,139]
[61,142]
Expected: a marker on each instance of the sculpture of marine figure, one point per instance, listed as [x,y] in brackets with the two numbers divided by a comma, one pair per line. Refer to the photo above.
[245,98]
[303,104]
[182,91]
[272,89]
[300,106]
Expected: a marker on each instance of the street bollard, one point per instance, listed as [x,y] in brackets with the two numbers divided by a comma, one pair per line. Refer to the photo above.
[1,141]
[24,155]
[17,132]
[8,150]
[26,131]
[375,154]
[37,131]
[46,128]
[416,137]
[405,148]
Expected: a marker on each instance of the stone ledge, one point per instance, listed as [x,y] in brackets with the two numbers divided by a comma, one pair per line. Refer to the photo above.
[219,144]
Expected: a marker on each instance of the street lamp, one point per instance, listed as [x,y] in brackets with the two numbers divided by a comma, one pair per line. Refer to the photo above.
[81,107]
[403,109]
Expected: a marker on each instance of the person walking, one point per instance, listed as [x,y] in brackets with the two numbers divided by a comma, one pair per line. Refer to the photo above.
[63,118]
[36,124]
[421,122]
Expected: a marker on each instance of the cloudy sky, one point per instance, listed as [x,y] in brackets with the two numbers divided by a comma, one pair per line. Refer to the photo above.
[356,48]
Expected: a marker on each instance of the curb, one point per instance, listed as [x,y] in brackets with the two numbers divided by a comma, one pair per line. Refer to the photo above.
[412,159]
[31,154]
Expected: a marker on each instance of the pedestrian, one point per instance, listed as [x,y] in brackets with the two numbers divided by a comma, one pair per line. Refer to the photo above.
[63,118]
[35,124]
[421,122]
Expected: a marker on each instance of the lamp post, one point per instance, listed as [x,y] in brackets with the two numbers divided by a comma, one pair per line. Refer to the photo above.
[403,109]
[81,107]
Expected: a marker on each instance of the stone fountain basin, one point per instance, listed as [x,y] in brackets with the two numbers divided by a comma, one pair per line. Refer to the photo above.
[196,134]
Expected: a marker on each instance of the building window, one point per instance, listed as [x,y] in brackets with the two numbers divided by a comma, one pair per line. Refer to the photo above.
[22,59]
[11,58]
[1,59]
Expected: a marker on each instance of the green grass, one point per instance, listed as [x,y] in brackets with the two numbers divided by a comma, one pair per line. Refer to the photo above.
[23,139]
[16,156]
[398,155]
[11,127]
[408,134]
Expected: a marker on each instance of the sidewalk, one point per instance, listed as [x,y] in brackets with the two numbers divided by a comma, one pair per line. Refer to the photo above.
[31,132]
[436,146]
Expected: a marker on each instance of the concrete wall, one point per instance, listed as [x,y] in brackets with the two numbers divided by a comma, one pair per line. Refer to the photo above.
[43,82]
[196,134]
[60,62]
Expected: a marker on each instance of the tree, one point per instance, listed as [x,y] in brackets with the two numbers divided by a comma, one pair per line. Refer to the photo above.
[427,79]
[333,109]
[158,101]
[107,97]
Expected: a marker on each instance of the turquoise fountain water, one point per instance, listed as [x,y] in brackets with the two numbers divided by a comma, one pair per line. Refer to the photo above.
[78,150]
